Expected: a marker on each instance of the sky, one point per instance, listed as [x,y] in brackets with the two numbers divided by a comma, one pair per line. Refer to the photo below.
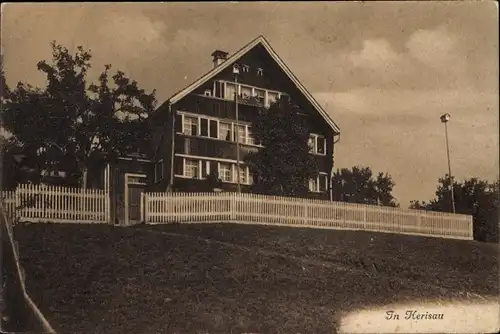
[384,71]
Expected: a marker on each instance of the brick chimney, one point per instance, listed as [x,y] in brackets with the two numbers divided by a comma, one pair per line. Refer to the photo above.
[219,57]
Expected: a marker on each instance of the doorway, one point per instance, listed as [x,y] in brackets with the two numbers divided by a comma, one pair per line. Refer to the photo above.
[135,185]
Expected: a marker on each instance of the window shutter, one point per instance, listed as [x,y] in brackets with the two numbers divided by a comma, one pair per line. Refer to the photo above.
[178,123]
[204,127]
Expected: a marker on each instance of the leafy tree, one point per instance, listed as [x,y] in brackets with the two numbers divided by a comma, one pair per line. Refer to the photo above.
[418,205]
[4,89]
[474,197]
[358,185]
[278,168]
[71,125]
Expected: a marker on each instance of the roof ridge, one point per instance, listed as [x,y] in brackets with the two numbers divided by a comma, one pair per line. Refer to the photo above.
[214,68]
[236,55]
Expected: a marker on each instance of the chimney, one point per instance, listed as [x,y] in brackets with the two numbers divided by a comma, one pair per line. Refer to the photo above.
[219,57]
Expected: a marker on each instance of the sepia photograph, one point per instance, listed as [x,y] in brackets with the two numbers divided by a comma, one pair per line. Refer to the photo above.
[250,167]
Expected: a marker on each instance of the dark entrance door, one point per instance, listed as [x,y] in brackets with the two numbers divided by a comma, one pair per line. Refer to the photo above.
[134,203]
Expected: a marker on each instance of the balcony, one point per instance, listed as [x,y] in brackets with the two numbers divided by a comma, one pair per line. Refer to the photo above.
[209,147]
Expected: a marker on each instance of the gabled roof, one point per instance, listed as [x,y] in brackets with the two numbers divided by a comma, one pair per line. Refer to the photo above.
[262,41]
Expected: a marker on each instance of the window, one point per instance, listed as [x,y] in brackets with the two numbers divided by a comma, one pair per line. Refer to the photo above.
[251,139]
[323,182]
[204,127]
[190,126]
[230,91]
[136,180]
[227,90]
[208,92]
[225,172]
[260,95]
[241,134]
[250,177]
[213,129]
[219,89]
[225,131]
[246,91]
[317,144]
[319,184]
[205,169]
[320,145]
[191,168]
[243,174]
[246,68]
[159,171]
[313,185]
[260,72]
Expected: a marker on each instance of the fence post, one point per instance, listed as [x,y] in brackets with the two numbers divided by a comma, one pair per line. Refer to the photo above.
[231,206]
[142,208]
[365,218]
[107,205]
[305,214]
[470,220]
[145,207]
[419,221]
[17,203]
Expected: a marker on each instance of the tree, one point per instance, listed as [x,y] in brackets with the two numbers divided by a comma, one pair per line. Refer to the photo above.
[358,185]
[278,168]
[475,197]
[72,125]
[4,89]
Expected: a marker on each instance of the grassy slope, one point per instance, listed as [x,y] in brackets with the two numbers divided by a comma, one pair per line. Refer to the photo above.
[103,279]
[459,265]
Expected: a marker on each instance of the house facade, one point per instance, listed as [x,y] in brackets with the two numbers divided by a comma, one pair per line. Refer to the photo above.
[194,131]
[196,127]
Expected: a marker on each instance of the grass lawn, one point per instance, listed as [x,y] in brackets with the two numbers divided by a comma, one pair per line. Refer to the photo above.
[170,279]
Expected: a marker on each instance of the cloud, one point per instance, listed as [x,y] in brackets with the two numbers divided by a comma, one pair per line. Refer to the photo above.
[426,59]
[376,54]
[133,34]
[437,48]
[398,131]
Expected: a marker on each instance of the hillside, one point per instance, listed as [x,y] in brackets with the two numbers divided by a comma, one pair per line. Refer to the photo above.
[241,278]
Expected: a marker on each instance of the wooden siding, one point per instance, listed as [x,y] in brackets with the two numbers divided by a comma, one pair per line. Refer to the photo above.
[193,185]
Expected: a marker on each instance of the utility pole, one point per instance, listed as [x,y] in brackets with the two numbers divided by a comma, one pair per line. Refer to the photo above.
[236,71]
[444,119]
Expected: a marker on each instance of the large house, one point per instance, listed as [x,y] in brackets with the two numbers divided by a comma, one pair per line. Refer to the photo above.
[194,131]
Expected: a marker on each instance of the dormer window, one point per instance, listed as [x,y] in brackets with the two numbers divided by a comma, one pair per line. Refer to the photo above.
[246,68]
[260,72]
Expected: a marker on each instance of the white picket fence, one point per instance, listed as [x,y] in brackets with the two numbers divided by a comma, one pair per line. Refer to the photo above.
[42,203]
[158,208]
[39,203]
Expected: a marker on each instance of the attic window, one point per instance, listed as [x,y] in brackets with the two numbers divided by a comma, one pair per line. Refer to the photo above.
[260,71]
[246,68]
